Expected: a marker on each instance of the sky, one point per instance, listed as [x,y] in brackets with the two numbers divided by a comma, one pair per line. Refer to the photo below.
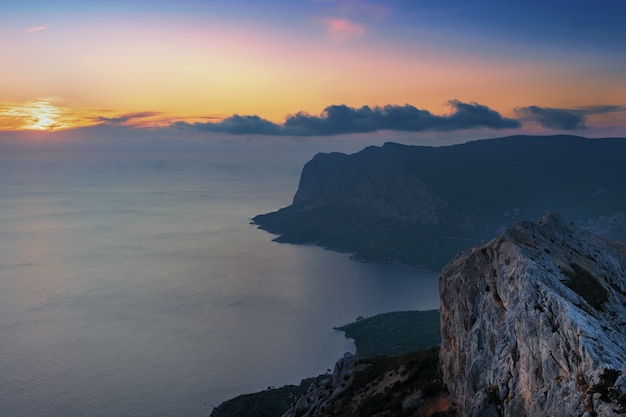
[313,67]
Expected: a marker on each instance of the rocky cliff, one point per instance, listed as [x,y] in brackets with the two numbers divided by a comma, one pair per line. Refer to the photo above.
[534,323]
[401,386]
[421,205]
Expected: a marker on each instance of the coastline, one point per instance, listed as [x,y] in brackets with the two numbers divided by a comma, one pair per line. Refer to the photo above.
[383,335]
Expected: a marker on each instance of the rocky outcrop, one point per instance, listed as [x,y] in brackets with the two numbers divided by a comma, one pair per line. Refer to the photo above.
[408,385]
[321,394]
[534,323]
[420,205]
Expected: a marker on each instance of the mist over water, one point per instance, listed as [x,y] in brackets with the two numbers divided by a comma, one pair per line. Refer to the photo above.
[132,284]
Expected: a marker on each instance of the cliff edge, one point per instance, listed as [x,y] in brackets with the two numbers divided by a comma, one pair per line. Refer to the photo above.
[534,323]
[420,205]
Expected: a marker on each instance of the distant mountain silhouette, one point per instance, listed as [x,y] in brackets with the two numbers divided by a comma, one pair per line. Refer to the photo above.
[419,205]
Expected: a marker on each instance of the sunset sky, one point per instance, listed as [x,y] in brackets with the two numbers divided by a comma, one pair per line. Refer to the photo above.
[314,67]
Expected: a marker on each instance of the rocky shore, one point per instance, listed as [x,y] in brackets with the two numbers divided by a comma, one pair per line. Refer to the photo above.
[533,323]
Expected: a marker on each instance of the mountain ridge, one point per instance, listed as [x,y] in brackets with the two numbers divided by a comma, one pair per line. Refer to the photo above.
[534,323]
[420,205]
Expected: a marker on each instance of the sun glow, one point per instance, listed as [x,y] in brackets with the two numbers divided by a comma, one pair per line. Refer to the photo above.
[38,115]
[45,115]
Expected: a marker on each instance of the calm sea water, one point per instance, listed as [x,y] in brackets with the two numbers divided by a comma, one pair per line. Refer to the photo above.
[132,284]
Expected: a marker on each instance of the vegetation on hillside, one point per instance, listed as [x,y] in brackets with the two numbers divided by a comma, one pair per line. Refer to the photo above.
[384,336]
[395,333]
[272,402]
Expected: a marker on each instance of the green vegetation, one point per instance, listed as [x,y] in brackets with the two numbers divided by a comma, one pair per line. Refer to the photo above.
[384,336]
[418,372]
[272,402]
[395,333]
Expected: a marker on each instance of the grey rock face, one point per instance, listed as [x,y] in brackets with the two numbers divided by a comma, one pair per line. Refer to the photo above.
[321,393]
[534,323]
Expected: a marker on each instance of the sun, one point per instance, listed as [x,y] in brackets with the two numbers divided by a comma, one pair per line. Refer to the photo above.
[43,116]
[34,115]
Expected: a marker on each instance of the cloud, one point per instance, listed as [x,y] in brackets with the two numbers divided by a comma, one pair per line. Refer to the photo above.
[125,118]
[338,119]
[235,124]
[343,30]
[565,119]
[472,115]
[37,28]
[552,118]
[37,115]
[342,119]
[601,109]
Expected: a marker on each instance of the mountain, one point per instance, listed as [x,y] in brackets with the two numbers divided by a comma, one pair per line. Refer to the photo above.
[420,205]
[534,324]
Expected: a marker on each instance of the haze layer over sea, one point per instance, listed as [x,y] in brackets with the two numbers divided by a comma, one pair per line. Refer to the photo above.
[132,284]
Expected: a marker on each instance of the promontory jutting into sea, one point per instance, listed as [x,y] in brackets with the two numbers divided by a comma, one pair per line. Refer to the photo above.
[135,283]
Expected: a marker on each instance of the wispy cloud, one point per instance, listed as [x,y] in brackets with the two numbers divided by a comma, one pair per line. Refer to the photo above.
[36,115]
[348,20]
[343,30]
[563,118]
[126,118]
[342,119]
[37,28]
[147,119]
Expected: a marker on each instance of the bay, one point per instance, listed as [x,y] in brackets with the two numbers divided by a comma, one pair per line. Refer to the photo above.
[133,284]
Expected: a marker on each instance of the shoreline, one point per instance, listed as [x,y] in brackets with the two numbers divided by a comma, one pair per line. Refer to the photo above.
[380,335]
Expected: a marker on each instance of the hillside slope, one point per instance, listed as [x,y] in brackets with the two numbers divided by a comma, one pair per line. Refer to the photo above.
[420,205]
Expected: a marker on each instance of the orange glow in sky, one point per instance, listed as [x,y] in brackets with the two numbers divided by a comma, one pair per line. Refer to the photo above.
[62,69]
[38,115]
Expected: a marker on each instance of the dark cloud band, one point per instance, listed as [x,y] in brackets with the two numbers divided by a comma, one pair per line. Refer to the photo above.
[342,119]
[565,119]
[126,117]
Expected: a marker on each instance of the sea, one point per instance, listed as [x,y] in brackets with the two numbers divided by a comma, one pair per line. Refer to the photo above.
[132,282]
